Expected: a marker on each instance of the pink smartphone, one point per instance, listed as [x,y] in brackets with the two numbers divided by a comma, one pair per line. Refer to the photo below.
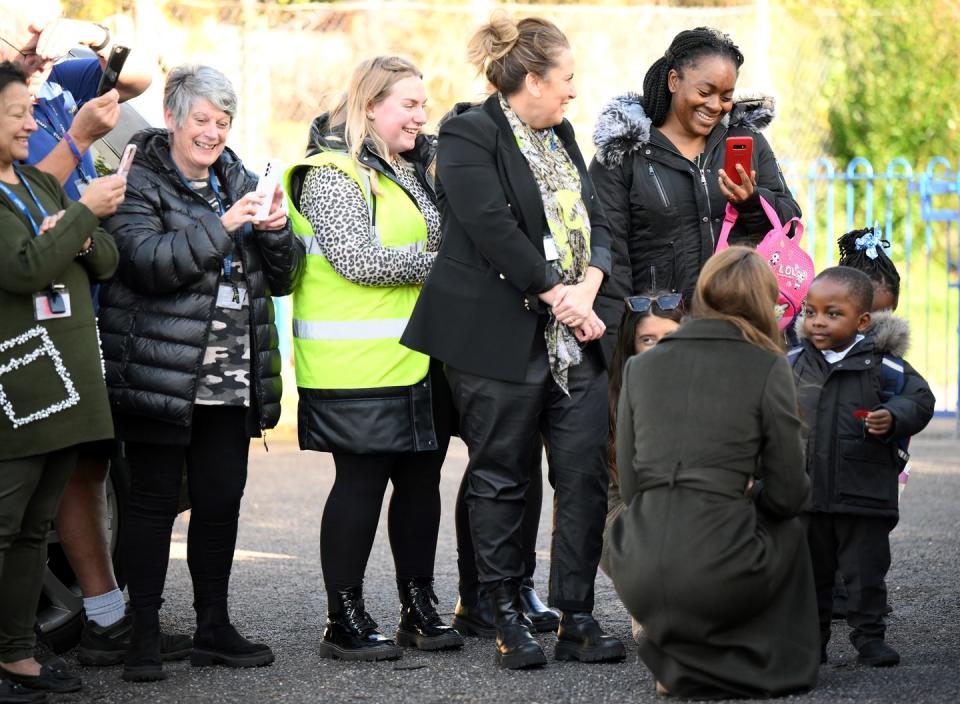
[126,161]
[739,151]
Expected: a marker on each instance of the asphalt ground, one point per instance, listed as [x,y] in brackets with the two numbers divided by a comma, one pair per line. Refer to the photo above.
[277,597]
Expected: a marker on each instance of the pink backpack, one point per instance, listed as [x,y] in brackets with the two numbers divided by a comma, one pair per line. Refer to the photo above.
[791,264]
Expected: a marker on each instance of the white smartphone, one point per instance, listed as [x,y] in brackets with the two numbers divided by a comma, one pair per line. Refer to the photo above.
[266,187]
[126,161]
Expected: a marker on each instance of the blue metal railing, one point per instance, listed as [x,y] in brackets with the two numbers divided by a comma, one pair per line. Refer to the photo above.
[895,196]
[898,194]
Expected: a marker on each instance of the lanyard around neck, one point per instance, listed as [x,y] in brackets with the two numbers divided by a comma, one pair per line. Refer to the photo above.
[54,126]
[21,206]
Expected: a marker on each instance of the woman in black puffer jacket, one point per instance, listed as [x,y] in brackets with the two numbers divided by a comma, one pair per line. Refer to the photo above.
[658,168]
[191,352]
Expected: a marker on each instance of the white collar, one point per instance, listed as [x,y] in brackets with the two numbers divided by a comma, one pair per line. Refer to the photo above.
[834,357]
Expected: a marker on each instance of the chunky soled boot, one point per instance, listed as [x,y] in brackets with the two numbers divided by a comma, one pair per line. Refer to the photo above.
[216,642]
[516,648]
[542,618]
[420,624]
[142,662]
[478,620]
[580,637]
[351,634]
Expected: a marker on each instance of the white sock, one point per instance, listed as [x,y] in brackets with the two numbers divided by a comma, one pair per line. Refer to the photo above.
[106,609]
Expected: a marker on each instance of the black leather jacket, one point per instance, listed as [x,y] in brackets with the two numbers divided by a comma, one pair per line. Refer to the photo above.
[155,315]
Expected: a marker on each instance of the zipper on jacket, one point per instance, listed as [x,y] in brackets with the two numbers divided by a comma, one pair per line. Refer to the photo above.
[660,190]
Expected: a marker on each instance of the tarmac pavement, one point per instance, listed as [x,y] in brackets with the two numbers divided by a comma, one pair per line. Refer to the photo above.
[277,598]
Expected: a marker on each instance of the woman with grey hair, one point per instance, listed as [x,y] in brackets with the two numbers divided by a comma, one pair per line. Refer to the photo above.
[192,358]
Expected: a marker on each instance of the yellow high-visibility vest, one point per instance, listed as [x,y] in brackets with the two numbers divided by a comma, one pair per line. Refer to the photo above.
[347,336]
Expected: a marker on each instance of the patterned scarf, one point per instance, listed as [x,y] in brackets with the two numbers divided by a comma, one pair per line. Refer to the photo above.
[569,223]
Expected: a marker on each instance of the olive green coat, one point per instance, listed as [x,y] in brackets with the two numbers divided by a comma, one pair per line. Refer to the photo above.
[720,581]
[52,392]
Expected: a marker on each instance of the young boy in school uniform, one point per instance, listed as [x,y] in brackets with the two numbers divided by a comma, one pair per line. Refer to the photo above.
[852,421]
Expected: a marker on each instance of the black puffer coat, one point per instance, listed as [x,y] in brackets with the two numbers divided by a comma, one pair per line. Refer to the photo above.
[667,209]
[853,472]
[155,315]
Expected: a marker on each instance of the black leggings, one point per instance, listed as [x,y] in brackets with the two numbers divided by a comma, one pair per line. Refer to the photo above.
[466,559]
[216,461]
[352,512]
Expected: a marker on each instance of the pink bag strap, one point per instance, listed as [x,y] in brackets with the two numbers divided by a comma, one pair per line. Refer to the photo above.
[731,215]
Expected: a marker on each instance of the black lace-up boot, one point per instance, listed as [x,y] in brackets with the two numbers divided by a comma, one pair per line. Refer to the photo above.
[351,634]
[516,648]
[420,624]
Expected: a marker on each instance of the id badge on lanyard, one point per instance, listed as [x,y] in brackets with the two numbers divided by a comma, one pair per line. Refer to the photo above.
[55,301]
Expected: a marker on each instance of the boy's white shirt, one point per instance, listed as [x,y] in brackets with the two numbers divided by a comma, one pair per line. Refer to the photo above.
[834,357]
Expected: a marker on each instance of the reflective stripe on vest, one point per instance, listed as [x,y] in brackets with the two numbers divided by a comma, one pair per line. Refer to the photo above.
[347,336]
[349,329]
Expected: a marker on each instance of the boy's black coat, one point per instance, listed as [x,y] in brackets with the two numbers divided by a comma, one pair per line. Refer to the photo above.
[853,472]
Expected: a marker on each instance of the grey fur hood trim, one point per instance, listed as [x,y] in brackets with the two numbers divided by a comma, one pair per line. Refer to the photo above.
[890,333]
[623,126]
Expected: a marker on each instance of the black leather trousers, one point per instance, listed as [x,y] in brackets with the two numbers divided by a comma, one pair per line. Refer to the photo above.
[502,423]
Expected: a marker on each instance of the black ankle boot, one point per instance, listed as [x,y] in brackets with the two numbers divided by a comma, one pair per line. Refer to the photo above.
[351,634]
[477,618]
[580,637]
[542,618]
[142,662]
[420,624]
[217,642]
[516,648]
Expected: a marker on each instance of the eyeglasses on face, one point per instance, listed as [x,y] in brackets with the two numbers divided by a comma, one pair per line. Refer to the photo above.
[665,301]
[29,55]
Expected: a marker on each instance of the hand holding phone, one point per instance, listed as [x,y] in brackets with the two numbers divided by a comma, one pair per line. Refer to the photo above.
[126,161]
[111,72]
[267,187]
[739,151]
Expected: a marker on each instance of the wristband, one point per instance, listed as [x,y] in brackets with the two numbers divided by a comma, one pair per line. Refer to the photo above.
[73,147]
[97,48]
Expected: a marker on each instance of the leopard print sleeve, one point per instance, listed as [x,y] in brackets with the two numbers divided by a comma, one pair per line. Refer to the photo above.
[334,204]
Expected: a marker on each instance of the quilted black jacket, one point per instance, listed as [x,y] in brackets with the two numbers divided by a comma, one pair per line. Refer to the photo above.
[155,314]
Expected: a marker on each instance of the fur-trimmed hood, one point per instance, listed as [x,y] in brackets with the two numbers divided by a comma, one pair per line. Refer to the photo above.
[623,126]
[890,333]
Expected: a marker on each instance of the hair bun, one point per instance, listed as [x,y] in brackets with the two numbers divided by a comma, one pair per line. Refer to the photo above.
[494,40]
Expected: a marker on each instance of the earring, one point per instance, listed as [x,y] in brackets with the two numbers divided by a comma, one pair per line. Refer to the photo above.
[369,116]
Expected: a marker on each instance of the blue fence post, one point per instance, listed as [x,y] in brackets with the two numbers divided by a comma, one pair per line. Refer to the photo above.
[891,175]
[852,178]
[812,177]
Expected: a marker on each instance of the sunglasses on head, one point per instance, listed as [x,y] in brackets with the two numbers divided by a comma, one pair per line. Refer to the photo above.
[665,301]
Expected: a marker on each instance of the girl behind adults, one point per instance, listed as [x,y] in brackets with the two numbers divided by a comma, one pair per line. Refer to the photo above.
[53,389]
[191,349]
[709,554]
[365,206]
[658,167]
[509,308]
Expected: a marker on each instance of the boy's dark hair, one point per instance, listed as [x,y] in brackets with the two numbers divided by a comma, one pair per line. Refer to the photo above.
[858,285]
[855,249]
[9,73]
[685,50]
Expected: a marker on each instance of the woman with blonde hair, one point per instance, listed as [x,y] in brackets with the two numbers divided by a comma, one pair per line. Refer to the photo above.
[509,307]
[364,204]
[709,554]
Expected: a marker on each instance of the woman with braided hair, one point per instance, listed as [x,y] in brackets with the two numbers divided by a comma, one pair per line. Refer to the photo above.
[658,167]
